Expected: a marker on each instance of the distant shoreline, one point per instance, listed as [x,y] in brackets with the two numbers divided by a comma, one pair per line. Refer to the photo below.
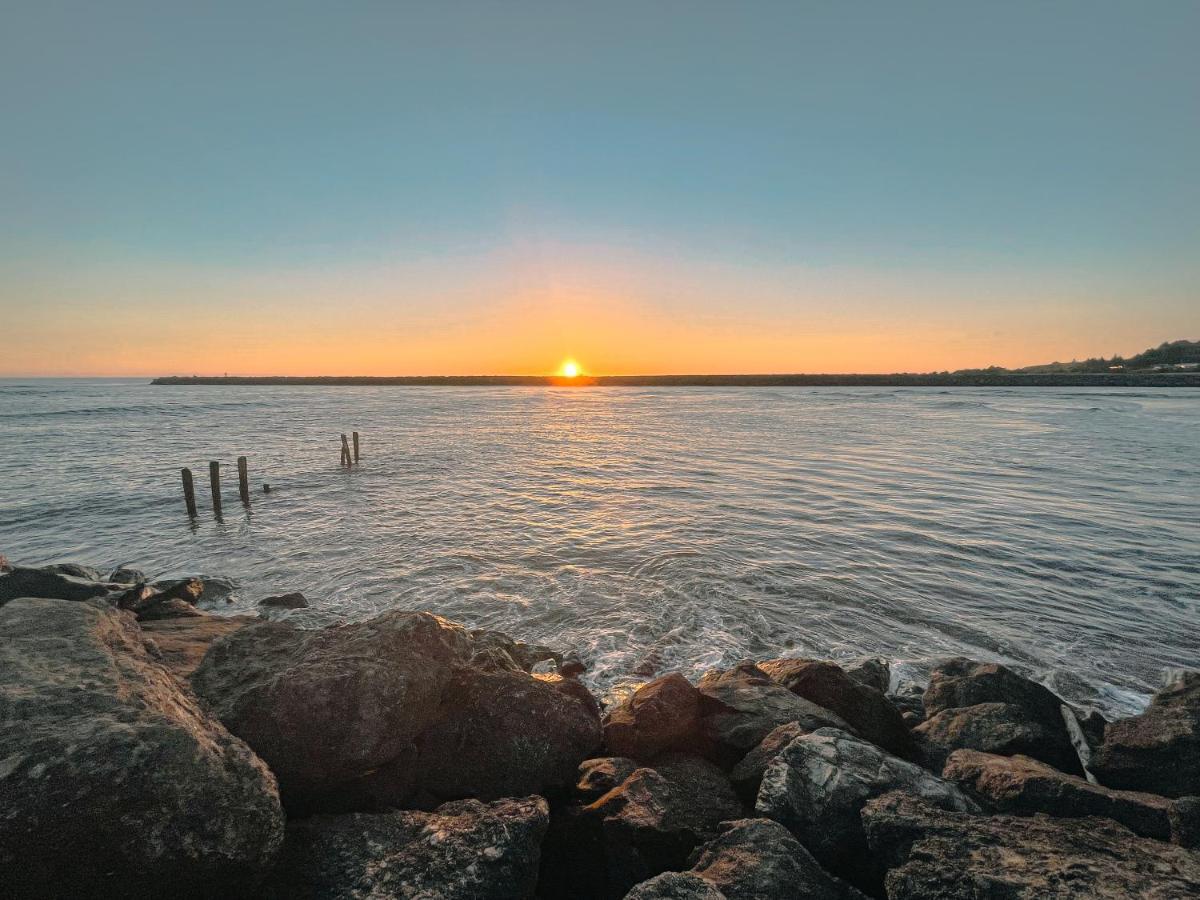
[998,379]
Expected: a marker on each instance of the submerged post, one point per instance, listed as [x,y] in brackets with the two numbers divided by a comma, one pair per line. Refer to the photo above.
[214,480]
[189,492]
[345,451]
[243,480]
[356,446]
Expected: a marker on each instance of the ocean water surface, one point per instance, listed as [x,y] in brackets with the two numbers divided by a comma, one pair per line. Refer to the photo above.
[664,528]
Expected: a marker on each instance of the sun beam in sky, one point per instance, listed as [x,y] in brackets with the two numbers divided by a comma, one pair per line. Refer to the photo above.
[569,368]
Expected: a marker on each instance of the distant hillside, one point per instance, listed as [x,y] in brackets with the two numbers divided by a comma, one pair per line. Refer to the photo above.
[1173,353]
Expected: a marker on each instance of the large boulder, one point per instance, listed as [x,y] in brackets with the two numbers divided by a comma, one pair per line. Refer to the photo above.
[21,581]
[754,859]
[741,706]
[1159,750]
[115,780]
[466,850]
[661,715]
[182,641]
[818,785]
[747,775]
[873,671]
[1025,786]
[675,886]
[333,704]
[866,709]
[935,853]
[1009,714]
[654,819]
[504,734]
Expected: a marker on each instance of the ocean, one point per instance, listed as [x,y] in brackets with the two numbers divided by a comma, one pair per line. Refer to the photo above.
[1056,530]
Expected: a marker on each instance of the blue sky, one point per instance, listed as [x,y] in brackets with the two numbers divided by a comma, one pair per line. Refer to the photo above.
[767,185]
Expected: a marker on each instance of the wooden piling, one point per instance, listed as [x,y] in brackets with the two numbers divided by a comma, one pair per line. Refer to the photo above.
[189,492]
[243,480]
[214,480]
[345,451]
[356,446]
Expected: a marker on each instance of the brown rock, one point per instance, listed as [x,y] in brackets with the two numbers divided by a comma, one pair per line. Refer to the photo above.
[599,776]
[1001,728]
[182,642]
[747,775]
[661,715]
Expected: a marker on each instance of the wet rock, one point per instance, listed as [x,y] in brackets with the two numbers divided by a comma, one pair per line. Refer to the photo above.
[1185,821]
[910,700]
[170,609]
[1001,728]
[866,709]
[935,853]
[1158,751]
[661,715]
[1024,786]
[189,590]
[754,859]
[1030,709]
[675,886]
[656,817]
[747,775]
[75,570]
[599,776]
[526,656]
[462,851]
[294,600]
[183,641]
[741,706]
[504,734]
[873,671]
[116,781]
[818,785]
[127,575]
[331,704]
[572,665]
[21,581]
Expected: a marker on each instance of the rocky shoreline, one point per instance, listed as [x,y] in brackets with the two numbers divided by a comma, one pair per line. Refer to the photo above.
[149,747]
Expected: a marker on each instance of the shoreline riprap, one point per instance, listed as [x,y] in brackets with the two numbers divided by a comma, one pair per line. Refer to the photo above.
[149,747]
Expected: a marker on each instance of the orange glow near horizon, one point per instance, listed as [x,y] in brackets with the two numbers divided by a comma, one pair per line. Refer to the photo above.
[569,369]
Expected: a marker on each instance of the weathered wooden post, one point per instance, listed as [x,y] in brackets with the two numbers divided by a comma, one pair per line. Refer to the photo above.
[356,446]
[189,492]
[345,451]
[214,480]
[243,480]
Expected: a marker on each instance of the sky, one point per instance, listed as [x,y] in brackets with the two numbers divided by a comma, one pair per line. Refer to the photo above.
[386,188]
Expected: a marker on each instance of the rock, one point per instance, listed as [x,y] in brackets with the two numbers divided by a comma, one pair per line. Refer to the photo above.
[332,704]
[653,819]
[866,709]
[116,781]
[294,600]
[747,775]
[189,590]
[741,706]
[934,853]
[572,666]
[20,581]
[1024,786]
[462,851]
[170,609]
[873,671]
[182,642]
[754,859]
[1185,821]
[75,570]
[675,886]
[127,575]
[1031,709]
[818,784]
[599,776]
[661,715]
[909,699]
[1158,751]
[504,734]
[217,591]
[1001,728]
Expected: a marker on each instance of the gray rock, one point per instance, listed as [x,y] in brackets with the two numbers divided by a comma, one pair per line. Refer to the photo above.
[818,785]
[866,709]
[1158,751]
[599,776]
[747,775]
[127,575]
[75,570]
[332,704]
[754,859]
[933,853]
[873,671]
[20,581]
[462,851]
[1001,728]
[1024,786]
[675,886]
[1185,821]
[504,734]
[661,715]
[294,600]
[116,781]
[741,706]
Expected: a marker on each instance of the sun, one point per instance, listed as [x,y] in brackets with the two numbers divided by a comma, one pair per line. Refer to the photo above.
[569,369]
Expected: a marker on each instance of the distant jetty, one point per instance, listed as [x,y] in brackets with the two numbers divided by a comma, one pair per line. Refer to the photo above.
[973,379]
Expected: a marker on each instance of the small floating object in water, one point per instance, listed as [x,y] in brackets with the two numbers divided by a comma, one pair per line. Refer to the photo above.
[266,489]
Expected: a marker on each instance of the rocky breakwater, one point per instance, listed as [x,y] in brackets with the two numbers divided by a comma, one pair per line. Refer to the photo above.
[148,747]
